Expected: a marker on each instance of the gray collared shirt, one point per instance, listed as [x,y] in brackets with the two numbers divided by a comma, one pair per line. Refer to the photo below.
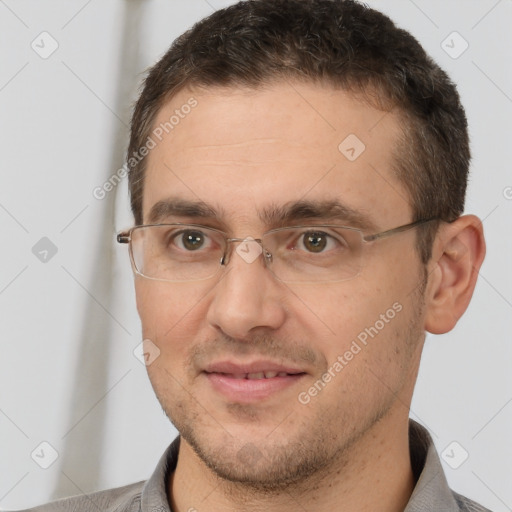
[431,493]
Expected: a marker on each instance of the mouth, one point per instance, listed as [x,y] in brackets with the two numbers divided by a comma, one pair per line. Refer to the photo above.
[250,383]
[269,374]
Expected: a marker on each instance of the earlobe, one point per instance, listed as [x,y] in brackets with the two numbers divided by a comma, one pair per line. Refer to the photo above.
[458,253]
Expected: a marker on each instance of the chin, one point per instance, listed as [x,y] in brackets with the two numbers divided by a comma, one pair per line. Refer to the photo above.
[261,465]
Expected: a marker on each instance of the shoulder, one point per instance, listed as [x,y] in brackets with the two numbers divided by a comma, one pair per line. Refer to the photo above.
[151,493]
[467,505]
[120,499]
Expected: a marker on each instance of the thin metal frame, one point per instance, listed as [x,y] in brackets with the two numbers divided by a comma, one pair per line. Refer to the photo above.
[124,237]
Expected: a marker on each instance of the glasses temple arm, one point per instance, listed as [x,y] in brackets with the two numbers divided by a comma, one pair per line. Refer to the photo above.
[123,238]
[399,229]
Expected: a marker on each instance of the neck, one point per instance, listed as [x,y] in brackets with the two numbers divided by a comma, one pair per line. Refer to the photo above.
[374,474]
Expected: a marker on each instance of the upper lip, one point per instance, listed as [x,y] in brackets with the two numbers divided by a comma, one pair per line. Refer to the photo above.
[230,367]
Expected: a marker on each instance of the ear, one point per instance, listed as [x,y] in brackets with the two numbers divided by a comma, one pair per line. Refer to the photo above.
[457,255]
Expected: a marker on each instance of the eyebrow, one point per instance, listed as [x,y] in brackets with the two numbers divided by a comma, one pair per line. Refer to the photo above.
[273,216]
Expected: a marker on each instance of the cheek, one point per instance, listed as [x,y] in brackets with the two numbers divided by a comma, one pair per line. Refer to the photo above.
[371,353]
[171,314]
[342,310]
[367,311]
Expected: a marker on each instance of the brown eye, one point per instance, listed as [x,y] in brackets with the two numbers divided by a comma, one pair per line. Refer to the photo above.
[315,241]
[190,240]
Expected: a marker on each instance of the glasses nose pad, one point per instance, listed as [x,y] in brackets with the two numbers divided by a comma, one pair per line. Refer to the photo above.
[268,256]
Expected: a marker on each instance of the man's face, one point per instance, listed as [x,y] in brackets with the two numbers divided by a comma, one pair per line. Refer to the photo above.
[243,151]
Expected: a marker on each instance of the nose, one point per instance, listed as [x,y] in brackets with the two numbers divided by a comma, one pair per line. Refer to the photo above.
[247,297]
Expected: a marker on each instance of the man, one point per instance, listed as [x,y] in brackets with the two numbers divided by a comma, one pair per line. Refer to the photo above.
[298,172]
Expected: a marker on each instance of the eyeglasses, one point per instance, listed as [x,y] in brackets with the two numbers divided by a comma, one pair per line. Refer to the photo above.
[296,254]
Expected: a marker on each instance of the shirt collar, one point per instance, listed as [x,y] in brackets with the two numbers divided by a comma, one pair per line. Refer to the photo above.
[431,492]
[154,492]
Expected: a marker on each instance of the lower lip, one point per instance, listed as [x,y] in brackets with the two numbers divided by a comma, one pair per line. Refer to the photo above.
[250,390]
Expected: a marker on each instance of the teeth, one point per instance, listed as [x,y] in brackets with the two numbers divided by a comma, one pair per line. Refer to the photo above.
[265,375]
[258,375]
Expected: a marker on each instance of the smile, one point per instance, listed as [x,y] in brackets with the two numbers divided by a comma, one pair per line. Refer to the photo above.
[257,375]
[251,387]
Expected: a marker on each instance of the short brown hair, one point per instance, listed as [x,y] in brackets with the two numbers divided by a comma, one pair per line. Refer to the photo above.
[338,42]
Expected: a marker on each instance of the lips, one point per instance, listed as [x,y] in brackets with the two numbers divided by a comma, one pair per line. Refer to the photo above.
[249,383]
[262,369]
[257,375]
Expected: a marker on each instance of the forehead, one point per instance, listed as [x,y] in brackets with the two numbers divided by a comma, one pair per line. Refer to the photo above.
[242,149]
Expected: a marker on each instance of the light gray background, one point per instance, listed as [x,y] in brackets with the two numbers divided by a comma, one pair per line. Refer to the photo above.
[68,375]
